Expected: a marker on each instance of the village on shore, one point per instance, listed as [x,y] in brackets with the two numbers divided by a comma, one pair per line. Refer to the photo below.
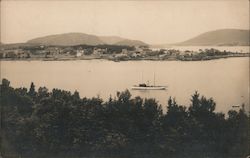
[110,52]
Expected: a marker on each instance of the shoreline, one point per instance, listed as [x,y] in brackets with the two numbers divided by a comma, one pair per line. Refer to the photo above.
[120,60]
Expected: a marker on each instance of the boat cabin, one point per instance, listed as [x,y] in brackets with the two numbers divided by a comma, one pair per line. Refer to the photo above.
[142,85]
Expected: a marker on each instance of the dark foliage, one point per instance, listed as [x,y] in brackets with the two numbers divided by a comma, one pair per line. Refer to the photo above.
[61,124]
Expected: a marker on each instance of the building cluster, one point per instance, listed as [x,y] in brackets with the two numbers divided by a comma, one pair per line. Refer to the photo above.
[49,52]
[146,53]
[116,53]
[95,52]
[14,53]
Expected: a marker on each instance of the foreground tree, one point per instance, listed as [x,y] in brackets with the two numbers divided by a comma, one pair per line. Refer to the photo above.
[61,124]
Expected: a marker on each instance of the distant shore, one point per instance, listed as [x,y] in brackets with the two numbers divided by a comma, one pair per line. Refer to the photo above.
[124,59]
[114,53]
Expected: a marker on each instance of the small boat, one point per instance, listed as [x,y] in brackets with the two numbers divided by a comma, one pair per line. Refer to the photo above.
[235,106]
[143,86]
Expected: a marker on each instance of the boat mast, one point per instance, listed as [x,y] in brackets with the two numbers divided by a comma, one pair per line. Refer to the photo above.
[142,77]
[154,78]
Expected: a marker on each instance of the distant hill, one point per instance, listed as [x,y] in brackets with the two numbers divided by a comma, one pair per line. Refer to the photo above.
[111,39]
[67,39]
[70,39]
[131,43]
[224,37]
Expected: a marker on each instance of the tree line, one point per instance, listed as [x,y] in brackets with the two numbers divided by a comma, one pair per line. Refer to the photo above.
[58,123]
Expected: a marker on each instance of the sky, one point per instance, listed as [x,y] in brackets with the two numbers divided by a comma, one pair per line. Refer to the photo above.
[154,22]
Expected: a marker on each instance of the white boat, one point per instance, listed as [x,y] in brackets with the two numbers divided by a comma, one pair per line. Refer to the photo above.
[144,86]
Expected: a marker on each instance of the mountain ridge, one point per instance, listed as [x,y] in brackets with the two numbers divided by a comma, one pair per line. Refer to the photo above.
[221,37]
[75,38]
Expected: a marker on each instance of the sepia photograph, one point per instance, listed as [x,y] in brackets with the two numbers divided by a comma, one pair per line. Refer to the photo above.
[124,79]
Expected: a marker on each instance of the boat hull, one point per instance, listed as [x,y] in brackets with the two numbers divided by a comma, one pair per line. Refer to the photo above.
[149,88]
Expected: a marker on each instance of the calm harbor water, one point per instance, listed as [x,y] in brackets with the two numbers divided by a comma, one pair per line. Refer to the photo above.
[226,80]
